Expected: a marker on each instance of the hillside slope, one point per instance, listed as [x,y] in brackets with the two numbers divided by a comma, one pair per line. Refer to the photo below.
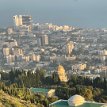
[10,101]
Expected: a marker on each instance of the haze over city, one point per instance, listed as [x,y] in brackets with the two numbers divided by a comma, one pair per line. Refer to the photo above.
[82,13]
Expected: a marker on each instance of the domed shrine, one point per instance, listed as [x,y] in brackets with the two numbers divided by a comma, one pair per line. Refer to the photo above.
[62,74]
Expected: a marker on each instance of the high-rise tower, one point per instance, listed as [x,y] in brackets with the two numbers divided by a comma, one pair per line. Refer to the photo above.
[69,48]
[23,21]
[45,40]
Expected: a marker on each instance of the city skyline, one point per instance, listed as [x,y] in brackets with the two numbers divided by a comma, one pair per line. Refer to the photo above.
[53,53]
[82,13]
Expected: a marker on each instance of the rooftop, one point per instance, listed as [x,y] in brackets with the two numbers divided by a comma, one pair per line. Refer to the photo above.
[39,90]
[64,103]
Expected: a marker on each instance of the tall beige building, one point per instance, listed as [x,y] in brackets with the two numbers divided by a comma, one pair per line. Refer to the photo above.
[35,57]
[45,40]
[16,20]
[10,59]
[22,20]
[6,51]
[79,66]
[11,43]
[61,73]
[17,51]
[26,58]
[69,48]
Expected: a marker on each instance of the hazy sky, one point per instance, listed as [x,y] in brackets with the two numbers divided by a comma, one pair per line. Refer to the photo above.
[83,13]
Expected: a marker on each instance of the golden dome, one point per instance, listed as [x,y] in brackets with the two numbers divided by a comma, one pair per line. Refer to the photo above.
[61,68]
[62,74]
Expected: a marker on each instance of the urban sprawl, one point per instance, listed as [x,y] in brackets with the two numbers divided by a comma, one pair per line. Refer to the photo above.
[71,50]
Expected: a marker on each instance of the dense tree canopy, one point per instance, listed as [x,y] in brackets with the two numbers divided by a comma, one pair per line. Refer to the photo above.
[17,83]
